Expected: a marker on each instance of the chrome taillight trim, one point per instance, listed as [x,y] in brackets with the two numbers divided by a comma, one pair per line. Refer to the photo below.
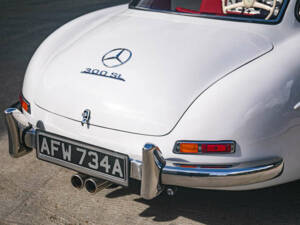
[233,148]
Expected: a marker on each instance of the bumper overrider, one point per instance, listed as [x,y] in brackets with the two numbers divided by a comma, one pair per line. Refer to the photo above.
[154,171]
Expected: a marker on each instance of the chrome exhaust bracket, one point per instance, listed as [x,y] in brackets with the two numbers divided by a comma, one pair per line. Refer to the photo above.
[153,164]
[20,132]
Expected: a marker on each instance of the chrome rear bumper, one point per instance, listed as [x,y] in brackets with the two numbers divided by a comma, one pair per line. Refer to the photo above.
[154,171]
[21,135]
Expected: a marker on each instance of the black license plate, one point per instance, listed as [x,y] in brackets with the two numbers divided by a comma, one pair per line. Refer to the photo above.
[84,158]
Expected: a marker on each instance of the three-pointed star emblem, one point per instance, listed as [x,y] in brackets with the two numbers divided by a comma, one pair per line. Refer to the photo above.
[116,57]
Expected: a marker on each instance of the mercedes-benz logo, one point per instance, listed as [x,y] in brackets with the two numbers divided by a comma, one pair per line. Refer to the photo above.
[116,57]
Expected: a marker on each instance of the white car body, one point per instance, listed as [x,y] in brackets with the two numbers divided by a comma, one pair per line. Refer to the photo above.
[188,78]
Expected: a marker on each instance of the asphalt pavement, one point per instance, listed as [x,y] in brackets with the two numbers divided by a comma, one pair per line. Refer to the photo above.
[35,192]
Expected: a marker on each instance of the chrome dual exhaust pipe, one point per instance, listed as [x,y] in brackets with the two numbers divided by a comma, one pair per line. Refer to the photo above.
[93,185]
[78,180]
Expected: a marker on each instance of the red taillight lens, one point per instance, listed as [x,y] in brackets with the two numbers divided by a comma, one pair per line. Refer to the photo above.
[188,166]
[24,104]
[201,147]
[216,148]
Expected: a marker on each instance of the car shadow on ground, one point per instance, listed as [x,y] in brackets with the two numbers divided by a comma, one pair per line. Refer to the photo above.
[276,205]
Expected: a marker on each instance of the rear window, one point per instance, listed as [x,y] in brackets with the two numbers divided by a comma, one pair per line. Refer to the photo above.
[269,11]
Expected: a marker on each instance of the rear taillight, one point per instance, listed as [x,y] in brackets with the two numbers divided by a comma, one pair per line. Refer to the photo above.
[204,147]
[188,148]
[216,148]
[24,104]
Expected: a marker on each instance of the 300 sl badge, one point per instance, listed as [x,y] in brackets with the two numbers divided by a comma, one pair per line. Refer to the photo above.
[103,73]
[114,58]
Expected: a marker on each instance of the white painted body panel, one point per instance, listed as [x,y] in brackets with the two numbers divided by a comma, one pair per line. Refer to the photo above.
[162,78]
[252,104]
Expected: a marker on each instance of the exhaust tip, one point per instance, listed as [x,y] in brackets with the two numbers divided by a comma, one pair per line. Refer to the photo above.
[91,186]
[78,181]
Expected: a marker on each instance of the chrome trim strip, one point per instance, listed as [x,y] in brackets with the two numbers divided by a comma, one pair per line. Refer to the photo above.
[242,174]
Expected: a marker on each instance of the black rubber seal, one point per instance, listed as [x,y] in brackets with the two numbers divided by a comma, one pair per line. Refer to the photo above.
[297,11]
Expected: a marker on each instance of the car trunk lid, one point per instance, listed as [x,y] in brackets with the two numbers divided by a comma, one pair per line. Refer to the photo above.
[170,64]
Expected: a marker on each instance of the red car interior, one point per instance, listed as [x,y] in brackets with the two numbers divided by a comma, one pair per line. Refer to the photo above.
[207,7]
[210,7]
